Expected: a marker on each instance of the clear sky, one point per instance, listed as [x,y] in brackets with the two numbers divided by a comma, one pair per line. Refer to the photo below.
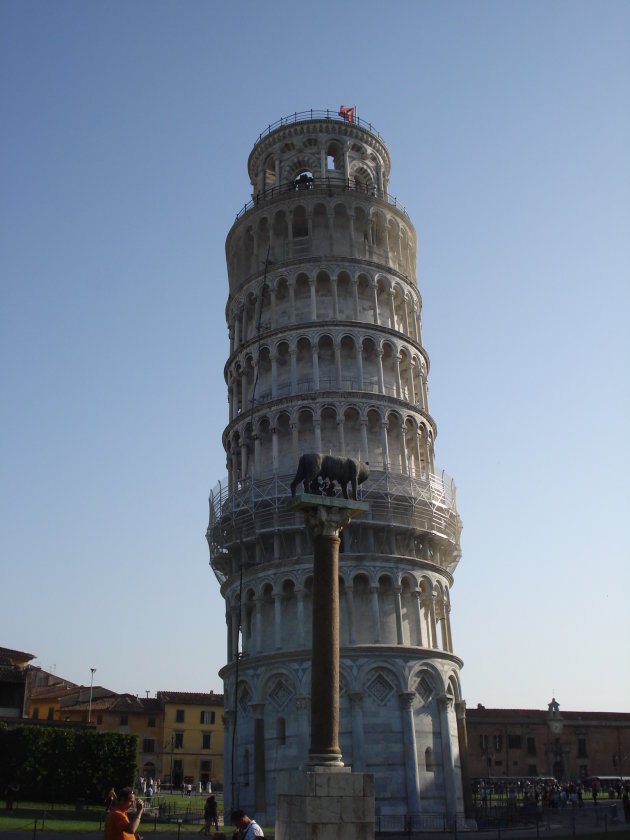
[125,131]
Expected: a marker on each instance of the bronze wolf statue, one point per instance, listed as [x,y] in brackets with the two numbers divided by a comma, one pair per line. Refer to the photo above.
[314,465]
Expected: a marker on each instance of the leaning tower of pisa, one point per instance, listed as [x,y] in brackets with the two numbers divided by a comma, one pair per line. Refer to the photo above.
[326,355]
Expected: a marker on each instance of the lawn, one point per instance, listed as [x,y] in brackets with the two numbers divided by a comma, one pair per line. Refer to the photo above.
[80,817]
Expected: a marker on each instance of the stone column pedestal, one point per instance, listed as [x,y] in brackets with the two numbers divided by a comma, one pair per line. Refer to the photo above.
[325,804]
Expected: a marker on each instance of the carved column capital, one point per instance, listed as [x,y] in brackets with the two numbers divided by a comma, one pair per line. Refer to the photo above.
[406,699]
[323,523]
[356,697]
[445,702]
[460,709]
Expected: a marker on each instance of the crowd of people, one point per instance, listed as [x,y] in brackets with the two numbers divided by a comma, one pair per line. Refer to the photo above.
[549,793]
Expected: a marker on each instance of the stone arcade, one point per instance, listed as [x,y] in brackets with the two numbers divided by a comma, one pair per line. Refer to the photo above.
[326,355]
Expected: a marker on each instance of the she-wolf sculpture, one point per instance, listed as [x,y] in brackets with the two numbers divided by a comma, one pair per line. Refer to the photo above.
[331,468]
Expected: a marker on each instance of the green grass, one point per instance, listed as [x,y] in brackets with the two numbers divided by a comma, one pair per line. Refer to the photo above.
[65,816]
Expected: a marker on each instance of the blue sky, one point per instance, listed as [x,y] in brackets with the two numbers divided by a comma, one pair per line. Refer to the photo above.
[125,133]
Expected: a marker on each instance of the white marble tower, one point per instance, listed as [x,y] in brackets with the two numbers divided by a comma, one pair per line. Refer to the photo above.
[326,355]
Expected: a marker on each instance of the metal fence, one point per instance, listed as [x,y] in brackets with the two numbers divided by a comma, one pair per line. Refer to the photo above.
[496,820]
[314,114]
[319,185]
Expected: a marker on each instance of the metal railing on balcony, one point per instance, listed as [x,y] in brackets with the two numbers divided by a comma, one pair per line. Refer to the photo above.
[328,185]
[314,114]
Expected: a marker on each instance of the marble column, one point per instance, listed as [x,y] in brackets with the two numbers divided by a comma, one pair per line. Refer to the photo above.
[376,619]
[325,517]
[462,738]
[350,609]
[228,793]
[445,703]
[410,752]
[358,738]
[260,787]
[277,619]
[398,611]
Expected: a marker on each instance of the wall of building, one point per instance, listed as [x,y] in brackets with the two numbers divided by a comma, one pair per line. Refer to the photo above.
[513,742]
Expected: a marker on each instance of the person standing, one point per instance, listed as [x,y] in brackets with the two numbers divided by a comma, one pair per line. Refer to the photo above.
[110,799]
[118,826]
[211,816]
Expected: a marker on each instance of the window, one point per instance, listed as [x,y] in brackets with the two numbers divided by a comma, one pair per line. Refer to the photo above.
[205,741]
[514,742]
[281,730]
[205,768]
[179,740]
[51,712]
[581,747]
[498,743]
[583,771]
[35,714]
[531,746]
[124,720]
[179,715]
[532,769]
[148,745]
[99,719]
[483,743]
[429,764]
[207,717]
[151,722]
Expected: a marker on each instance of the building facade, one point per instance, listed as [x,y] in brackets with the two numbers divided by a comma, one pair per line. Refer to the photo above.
[326,355]
[568,746]
[192,737]
[180,733]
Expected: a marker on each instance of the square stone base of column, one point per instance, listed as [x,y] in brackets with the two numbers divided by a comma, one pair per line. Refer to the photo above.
[325,804]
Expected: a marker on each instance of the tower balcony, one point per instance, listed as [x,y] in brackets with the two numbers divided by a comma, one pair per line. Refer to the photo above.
[319,115]
[256,509]
[311,186]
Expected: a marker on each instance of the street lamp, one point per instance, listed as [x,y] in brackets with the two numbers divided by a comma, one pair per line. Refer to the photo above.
[92,670]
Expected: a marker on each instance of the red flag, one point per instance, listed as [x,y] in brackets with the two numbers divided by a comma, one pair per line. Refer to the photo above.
[346,113]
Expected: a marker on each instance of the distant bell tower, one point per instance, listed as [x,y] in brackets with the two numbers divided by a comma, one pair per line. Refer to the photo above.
[326,355]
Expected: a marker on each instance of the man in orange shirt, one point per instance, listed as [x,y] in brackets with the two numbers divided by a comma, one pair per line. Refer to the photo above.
[118,826]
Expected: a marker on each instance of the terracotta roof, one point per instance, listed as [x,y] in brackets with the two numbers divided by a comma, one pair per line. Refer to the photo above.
[52,692]
[102,704]
[196,698]
[122,703]
[131,703]
[8,656]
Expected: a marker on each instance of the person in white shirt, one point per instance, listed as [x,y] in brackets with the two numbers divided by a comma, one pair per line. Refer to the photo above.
[248,828]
